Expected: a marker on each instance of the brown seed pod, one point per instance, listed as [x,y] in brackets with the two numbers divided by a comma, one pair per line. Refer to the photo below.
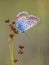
[20,52]
[21,46]
[16,31]
[11,35]
[13,22]
[11,26]
[7,20]
[15,60]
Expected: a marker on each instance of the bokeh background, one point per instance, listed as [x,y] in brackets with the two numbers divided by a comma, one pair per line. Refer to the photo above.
[35,40]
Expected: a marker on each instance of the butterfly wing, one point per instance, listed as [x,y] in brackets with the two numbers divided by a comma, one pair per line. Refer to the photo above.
[32,21]
[24,23]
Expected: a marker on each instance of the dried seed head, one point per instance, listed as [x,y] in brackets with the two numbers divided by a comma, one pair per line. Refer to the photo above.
[13,22]
[21,46]
[11,26]
[15,60]
[11,35]
[7,20]
[20,52]
[16,31]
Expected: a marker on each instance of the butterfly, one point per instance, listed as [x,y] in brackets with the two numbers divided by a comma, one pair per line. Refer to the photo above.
[24,21]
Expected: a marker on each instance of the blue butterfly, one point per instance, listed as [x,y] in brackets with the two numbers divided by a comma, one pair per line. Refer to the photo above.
[25,21]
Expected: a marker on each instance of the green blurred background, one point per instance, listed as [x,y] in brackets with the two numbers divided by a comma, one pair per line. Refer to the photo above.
[35,40]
